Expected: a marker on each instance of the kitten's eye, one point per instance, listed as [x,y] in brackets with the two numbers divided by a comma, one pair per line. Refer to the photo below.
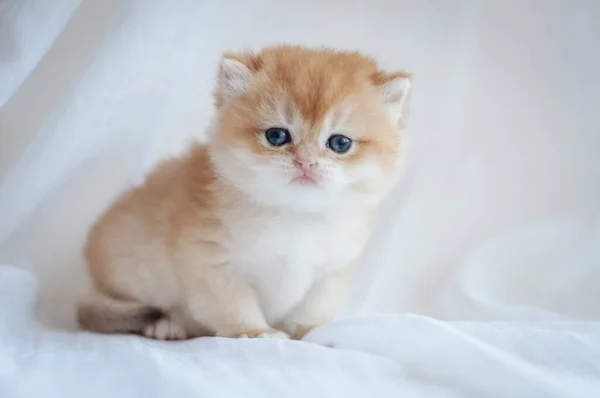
[278,136]
[339,143]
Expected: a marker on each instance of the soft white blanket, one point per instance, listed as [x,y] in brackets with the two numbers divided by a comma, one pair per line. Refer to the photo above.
[497,218]
[378,356]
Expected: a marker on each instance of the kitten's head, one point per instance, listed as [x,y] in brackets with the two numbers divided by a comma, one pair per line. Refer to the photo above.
[308,129]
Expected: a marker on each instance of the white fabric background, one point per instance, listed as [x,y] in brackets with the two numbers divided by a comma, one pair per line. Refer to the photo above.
[369,356]
[497,217]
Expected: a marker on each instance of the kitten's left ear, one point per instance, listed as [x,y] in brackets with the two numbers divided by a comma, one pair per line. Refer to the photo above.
[235,73]
[395,89]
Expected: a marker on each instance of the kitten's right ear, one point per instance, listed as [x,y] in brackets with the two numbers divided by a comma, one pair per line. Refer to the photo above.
[235,74]
[395,89]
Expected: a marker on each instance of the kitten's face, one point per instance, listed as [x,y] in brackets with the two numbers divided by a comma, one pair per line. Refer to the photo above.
[308,130]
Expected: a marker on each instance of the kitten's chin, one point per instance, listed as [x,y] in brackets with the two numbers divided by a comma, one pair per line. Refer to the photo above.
[304,180]
[306,197]
[301,196]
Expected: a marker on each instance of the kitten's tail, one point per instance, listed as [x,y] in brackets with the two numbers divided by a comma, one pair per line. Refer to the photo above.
[102,314]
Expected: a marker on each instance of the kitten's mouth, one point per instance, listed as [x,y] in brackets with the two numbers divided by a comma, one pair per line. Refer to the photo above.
[304,180]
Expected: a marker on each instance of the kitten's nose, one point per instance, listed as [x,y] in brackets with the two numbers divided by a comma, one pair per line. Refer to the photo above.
[303,165]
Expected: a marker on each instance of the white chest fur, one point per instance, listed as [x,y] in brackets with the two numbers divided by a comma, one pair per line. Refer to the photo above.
[282,254]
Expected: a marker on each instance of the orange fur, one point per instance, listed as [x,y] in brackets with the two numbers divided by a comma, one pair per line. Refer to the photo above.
[192,243]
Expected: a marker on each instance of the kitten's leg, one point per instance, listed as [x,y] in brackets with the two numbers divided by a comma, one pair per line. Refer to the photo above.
[320,304]
[134,295]
[223,302]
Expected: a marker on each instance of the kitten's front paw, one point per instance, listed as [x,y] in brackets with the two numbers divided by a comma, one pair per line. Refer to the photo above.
[260,334]
[166,329]
[298,331]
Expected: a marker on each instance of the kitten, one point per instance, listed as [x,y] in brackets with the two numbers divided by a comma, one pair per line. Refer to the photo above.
[255,233]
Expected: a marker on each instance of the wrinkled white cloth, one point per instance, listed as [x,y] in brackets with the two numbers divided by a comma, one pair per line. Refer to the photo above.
[497,217]
[379,356]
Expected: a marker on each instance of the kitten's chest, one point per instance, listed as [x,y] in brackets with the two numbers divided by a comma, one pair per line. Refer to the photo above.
[296,241]
[282,255]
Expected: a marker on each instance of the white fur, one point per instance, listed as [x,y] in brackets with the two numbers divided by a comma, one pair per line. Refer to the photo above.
[282,252]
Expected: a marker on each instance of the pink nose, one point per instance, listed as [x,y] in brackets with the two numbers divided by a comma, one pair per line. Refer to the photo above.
[304,166]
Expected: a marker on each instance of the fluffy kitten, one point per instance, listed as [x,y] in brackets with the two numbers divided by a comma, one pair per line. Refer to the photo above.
[255,233]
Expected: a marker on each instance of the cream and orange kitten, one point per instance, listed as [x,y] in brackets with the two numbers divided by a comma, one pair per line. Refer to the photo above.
[255,233]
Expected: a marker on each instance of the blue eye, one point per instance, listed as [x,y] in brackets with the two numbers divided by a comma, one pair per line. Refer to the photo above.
[339,143]
[278,136]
